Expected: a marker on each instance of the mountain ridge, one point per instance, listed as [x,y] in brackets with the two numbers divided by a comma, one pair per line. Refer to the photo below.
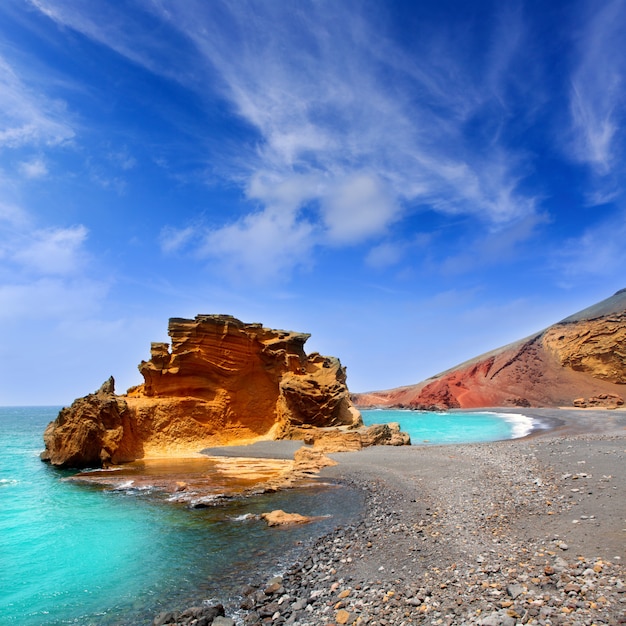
[578,361]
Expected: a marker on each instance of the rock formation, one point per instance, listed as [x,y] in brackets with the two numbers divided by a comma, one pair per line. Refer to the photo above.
[222,381]
[352,439]
[280,518]
[93,431]
[580,361]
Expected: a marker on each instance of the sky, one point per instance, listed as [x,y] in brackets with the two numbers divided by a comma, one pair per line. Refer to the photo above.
[412,182]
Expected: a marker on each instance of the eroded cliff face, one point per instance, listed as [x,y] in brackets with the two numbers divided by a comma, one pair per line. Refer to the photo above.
[596,347]
[580,361]
[92,431]
[221,382]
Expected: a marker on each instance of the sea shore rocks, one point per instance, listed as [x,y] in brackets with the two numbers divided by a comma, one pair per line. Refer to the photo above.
[603,400]
[481,534]
[222,381]
[282,518]
[349,440]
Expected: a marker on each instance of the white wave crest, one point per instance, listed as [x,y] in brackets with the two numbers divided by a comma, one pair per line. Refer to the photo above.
[521,425]
[124,486]
[243,518]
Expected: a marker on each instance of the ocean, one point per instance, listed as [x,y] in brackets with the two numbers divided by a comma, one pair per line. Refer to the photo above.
[426,427]
[77,554]
[72,553]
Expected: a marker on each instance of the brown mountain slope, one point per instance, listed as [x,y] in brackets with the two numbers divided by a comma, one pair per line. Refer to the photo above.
[578,361]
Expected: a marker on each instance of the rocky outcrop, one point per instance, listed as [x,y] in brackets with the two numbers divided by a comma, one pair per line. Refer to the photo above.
[596,347]
[221,381]
[583,356]
[349,440]
[603,401]
[280,518]
[92,431]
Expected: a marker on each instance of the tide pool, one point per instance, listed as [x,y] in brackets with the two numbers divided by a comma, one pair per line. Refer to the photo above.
[428,427]
[77,554]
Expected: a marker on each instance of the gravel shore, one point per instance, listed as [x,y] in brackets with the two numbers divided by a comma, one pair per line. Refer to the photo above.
[529,531]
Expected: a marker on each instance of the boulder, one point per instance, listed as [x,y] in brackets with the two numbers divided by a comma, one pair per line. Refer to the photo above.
[307,460]
[280,518]
[93,431]
[602,401]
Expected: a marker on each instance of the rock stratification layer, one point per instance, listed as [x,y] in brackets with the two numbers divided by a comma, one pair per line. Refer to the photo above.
[580,361]
[222,381]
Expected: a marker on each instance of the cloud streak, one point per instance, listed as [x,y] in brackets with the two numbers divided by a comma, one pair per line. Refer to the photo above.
[26,117]
[597,97]
[335,105]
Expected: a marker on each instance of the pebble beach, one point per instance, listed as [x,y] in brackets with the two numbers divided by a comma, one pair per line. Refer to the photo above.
[527,531]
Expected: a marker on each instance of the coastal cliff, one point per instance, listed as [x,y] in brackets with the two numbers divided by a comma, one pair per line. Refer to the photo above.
[580,361]
[221,381]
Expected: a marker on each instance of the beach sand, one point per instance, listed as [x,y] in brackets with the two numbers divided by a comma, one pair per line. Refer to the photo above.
[531,530]
[574,459]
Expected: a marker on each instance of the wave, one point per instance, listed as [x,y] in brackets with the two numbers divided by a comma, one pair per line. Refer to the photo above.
[124,486]
[521,425]
[130,489]
[7,482]
[244,517]
[207,501]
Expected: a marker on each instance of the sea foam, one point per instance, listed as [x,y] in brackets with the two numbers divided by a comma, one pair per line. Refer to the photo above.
[521,425]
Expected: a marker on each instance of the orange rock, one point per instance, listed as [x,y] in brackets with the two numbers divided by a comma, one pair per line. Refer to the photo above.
[311,461]
[280,518]
[223,382]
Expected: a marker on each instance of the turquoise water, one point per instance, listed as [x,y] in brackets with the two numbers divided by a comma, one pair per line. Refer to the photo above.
[426,427]
[77,554]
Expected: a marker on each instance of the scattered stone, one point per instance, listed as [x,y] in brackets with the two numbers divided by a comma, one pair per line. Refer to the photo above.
[280,518]
[446,557]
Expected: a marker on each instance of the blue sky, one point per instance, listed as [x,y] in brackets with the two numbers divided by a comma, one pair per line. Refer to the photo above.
[412,182]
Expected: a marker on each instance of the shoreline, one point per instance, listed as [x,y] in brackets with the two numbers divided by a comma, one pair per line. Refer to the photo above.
[529,530]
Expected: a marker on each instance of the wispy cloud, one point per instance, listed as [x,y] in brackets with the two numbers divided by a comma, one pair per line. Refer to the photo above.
[35,168]
[53,251]
[44,272]
[598,252]
[376,131]
[598,90]
[351,134]
[28,118]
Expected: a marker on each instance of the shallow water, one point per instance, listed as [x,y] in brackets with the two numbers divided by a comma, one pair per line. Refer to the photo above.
[78,554]
[427,427]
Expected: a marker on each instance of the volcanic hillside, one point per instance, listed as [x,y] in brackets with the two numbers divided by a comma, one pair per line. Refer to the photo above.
[580,361]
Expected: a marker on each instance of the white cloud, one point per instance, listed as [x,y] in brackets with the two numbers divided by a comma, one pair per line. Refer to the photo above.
[352,132]
[123,159]
[12,216]
[45,273]
[174,239]
[36,168]
[261,245]
[50,297]
[358,207]
[598,86]
[495,247]
[598,252]
[54,251]
[385,255]
[26,117]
